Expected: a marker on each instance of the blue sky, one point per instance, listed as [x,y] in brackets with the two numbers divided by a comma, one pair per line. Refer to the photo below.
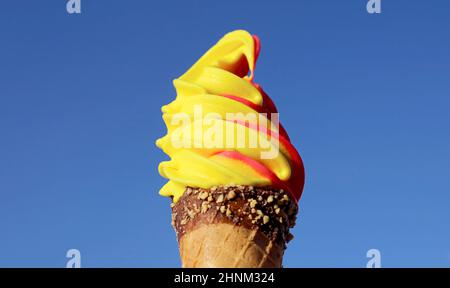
[365,99]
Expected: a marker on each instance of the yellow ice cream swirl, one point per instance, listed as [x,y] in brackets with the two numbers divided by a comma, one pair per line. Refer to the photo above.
[221,82]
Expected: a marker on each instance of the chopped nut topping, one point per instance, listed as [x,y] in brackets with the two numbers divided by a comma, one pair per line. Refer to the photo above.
[266,219]
[270,199]
[203,195]
[191,214]
[174,216]
[219,199]
[204,207]
[231,195]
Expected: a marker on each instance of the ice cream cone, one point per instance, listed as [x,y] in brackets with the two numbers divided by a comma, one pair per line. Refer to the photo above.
[226,245]
[235,178]
[217,229]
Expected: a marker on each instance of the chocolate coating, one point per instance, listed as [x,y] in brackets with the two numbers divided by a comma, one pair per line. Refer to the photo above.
[270,211]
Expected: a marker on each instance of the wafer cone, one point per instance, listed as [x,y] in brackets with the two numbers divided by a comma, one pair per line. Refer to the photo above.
[233,227]
[224,245]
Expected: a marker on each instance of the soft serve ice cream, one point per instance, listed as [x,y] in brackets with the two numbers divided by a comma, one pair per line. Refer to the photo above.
[221,82]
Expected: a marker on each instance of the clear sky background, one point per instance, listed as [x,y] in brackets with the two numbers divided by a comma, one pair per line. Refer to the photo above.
[365,99]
